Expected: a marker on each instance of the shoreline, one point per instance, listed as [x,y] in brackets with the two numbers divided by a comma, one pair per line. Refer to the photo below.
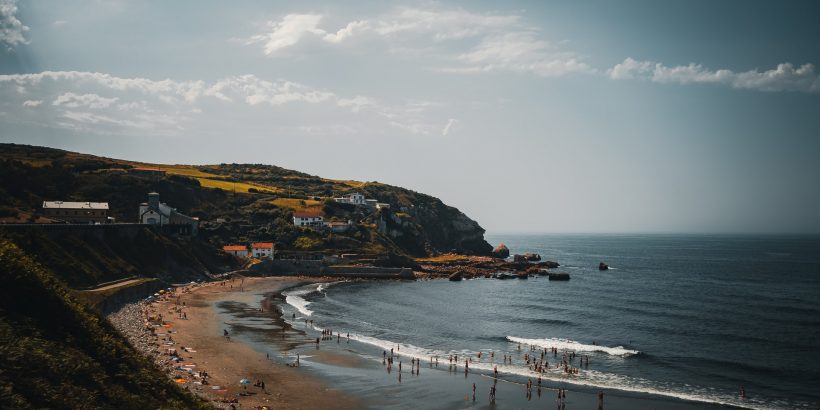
[228,361]
[200,346]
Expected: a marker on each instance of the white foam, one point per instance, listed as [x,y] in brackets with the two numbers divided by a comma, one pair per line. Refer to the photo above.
[565,344]
[295,298]
[587,378]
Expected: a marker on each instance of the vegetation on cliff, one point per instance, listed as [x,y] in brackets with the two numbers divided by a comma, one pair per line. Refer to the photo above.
[240,202]
[56,353]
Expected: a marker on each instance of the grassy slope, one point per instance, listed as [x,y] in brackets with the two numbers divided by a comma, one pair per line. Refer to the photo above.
[56,353]
[256,201]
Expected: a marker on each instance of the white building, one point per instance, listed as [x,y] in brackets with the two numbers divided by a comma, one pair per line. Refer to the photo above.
[236,250]
[155,212]
[306,218]
[262,250]
[354,198]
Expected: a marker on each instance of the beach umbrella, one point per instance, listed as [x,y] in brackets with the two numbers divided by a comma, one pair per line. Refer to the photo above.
[245,381]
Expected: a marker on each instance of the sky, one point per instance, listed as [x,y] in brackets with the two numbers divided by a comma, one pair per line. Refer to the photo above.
[530,117]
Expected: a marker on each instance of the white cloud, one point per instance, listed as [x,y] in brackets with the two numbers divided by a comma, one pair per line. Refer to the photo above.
[487,42]
[353,28]
[11,28]
[785,77]
[102,103]
[72,100]
[521,52]
[450,123]
[288,31]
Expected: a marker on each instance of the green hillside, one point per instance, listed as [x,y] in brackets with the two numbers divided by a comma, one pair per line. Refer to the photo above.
[56,353]
[239,202]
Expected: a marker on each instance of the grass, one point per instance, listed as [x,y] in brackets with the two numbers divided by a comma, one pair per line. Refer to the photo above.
[296,203]
[234,186]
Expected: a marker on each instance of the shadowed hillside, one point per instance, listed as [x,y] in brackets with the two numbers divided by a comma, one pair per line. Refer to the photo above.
[56,353]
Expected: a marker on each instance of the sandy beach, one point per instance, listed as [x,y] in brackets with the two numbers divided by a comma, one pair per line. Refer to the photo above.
[192,329]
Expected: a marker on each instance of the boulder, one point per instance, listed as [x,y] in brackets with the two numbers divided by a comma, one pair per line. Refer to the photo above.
[520,259]
[501,251]
[548,264]
[559,276]
[532,257]
[535,270]
[603,266]
[522,275]
[457,276]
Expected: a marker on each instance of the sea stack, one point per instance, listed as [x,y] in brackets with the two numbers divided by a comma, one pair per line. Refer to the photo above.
[501,251]
[603,266]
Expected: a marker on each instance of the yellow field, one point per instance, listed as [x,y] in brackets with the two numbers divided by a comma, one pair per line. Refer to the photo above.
[295,203]
[233,186]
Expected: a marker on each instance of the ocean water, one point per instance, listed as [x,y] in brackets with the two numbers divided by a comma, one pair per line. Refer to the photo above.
[685,317]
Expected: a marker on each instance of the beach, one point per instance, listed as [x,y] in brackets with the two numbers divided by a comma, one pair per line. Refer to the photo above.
[198,340]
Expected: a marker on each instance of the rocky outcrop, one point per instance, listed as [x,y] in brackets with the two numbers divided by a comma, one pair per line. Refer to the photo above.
[457,276]
[559,276]
[532,257]
[603,266]
[501,251]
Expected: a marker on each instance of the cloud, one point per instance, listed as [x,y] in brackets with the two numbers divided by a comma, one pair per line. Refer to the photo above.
[72,100]
[11,28]
[521,52]
[59,23]
[450,123]
[487,42]
[785,77]
[102,103]
[288,31]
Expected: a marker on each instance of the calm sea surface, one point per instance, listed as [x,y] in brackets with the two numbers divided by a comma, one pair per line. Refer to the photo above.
[690,317]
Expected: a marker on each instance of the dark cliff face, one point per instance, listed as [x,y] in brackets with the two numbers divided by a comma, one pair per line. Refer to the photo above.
[425,225]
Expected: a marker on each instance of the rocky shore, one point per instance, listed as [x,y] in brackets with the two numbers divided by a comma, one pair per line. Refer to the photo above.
[480,266]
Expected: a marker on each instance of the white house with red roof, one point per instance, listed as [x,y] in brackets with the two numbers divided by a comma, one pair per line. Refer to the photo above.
[262,250]
[308,218]
[236,250]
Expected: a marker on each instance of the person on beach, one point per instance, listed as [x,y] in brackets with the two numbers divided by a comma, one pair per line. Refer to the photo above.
[600,400]
[473,391]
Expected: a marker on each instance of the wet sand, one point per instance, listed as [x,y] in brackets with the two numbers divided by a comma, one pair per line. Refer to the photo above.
[229,361]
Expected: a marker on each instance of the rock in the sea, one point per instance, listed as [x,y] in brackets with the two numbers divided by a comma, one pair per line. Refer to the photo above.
[522,275]
[455,277]
[535,270]
[501,251]
[559,276]
[603,266]
[519,259]
[532,257]
[504,275]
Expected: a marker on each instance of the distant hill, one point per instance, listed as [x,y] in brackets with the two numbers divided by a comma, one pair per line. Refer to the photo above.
[239,203]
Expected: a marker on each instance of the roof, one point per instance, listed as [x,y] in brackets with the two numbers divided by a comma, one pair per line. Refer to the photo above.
[75,205]
[307,214]
[262,245]
[231,248]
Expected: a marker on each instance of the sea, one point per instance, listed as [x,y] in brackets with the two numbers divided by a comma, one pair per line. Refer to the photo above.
[690,318]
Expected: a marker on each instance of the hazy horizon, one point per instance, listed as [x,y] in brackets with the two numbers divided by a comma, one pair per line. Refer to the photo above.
[530,117]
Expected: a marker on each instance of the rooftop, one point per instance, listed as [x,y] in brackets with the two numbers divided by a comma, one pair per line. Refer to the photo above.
[230,248]
[307,214]
[74,205]
[262,245]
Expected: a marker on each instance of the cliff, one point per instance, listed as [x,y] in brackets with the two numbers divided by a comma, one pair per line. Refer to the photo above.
[239,202]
